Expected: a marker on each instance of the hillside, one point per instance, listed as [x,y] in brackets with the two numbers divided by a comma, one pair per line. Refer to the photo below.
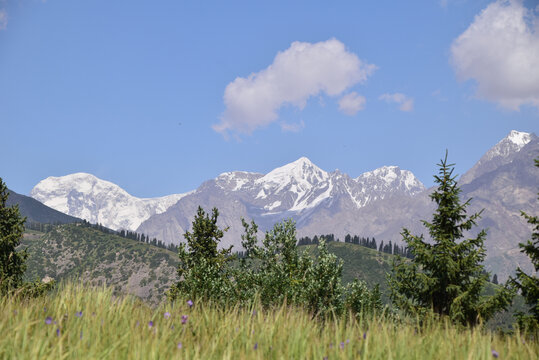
[77,252]
[36,212]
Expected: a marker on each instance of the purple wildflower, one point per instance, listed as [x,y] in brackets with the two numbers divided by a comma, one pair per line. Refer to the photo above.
[167,315]
[325,358]
[48,320]
[44,309]
[78,314]
[342,345]
[172,327]
[150,324]
[256,346]
[58,332]
[179,345]
[331,345]
[364,335]
[495,353]
[184,319]
[190,303]
[137,324]
[348,341]
[254,312]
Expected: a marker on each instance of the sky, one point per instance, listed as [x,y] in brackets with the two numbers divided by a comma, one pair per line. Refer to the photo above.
[160,96]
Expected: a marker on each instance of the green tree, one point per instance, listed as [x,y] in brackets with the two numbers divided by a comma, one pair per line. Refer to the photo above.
[12,263]
[202,267]
[529,284]
[446,275]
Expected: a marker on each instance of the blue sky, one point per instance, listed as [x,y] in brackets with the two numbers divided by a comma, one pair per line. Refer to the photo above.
[158,97]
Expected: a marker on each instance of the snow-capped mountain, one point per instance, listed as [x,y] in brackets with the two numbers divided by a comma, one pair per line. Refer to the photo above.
[99,201]
[296,190]
[498,155]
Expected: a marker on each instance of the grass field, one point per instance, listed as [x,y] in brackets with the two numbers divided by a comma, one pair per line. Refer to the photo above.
[90,323]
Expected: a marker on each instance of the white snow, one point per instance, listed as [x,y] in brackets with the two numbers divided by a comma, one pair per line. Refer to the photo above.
[98,201]
[519,138]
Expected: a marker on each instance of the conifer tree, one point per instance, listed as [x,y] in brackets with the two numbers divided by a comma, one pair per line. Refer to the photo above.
[202,265]
[12,263]
[446,274]
[529,284]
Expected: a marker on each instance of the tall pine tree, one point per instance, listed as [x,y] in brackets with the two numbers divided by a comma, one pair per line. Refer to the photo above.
[446,274]
[529,284]
[12,263]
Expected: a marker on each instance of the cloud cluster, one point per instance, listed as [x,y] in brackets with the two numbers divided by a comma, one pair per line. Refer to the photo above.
[351,103]
[296,74]
[500,50]
[406,103]
[3,19]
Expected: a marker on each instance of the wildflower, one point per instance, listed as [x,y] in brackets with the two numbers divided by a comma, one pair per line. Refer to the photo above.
[167,315]
[254,312]
[58,332]
[179,345]
[172,327]
[44,309]
[495,353]
[256,346]
[184,319]
[364,335]
[348,341]
[137,324]
[78,314]
[190,303]
[342,345]
[150,324]
[48,320]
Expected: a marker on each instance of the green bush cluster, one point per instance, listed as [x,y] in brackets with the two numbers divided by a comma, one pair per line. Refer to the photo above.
[273,271]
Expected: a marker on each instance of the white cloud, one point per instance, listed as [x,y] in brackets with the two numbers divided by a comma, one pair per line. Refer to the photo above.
[351,103]
[296,74]
[406,103]
[287,127]
[500,50]
[3,19]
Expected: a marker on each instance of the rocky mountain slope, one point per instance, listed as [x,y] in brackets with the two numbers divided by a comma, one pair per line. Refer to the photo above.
[98,201]
[299,190]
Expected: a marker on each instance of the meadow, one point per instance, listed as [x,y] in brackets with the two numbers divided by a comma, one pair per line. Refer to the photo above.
[79,322]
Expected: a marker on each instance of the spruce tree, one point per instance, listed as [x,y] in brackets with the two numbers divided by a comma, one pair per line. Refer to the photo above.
[529,284]
[446,274]
[12,263]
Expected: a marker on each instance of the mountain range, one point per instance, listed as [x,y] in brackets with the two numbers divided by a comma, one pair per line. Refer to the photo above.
[377,204]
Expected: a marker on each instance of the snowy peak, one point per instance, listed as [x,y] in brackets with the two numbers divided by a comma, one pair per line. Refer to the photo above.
[500,154]
[519,138]
[98,201]
[391,178]
[302,172]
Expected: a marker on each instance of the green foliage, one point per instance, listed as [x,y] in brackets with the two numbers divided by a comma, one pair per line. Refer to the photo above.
[275,272]
[529,284]
[12,263]
[446,276]
[202,269]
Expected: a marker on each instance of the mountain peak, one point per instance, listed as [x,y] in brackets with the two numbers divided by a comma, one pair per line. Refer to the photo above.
[501,153]
[519,138]
[300,171]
